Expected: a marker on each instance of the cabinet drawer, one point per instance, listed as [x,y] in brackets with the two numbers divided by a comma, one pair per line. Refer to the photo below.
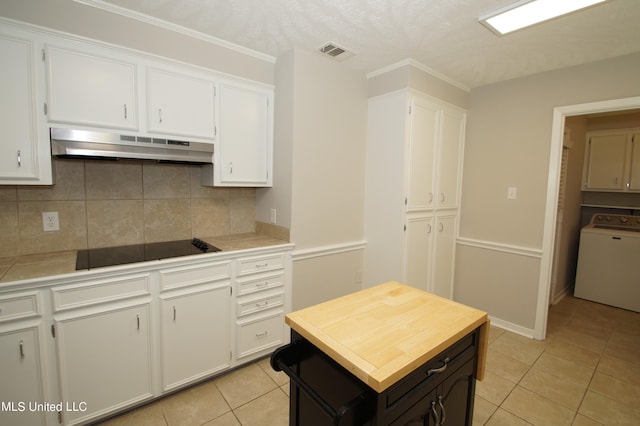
[432,372]
[190,275]
[107,290]
[259,334]
[260,283]
[19,306]
[260,303]
[250,265]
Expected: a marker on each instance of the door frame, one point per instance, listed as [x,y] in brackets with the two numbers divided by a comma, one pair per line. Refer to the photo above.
[551,210]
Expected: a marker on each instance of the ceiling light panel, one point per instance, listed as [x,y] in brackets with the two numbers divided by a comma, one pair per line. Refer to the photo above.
[529,12]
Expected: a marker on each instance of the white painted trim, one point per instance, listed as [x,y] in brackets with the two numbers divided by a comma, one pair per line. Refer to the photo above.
[421,67]
[514,328]
[555,160]
[505,248]
[327,250]
[99,4]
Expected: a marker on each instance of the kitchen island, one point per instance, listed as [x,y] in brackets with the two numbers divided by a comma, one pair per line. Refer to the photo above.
[390,354]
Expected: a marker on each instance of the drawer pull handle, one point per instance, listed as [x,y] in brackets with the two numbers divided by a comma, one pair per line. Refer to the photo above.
[174,312]
[439,369]
[263,334]
[264,284]
[442,410]
[21,349]
[262,265]
[434,411]
[138,321]
[265,303]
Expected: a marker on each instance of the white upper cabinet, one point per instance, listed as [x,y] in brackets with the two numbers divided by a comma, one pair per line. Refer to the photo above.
[449,165]
[612,161]
[24,152]
[423,134]
[179,104]
[244,146]
[91,90]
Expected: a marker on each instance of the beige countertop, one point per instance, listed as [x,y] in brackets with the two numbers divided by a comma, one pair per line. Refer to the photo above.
[15,268]
[383,333]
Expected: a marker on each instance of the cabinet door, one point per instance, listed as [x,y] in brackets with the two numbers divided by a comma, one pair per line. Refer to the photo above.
[634,174]
[450,150]
[195,335]
[179,104]
[605,168]
[444,254]
[422,142]
[417,256]
[245,143]
[455,396]
[19,162]
[104,360]
[91,90]
[21,377]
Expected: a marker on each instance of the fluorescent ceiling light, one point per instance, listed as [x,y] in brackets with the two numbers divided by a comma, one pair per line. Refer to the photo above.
[528,12]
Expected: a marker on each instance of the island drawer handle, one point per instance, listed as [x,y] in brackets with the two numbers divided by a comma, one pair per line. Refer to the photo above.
[439,369]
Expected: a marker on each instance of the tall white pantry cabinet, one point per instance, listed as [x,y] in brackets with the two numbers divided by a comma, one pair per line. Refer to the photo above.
[414,170]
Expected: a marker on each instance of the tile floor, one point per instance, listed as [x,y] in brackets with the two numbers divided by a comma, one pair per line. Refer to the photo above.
[587,372]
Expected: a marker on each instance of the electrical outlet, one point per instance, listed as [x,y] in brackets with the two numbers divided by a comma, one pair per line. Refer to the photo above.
[512,193]
[273,216]
[50,221]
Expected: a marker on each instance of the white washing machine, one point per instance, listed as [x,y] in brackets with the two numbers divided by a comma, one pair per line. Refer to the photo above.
[609,261]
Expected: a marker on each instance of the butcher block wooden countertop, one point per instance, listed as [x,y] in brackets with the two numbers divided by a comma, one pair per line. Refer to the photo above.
[383,333]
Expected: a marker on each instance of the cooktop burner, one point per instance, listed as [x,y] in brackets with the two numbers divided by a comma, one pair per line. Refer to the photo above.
[109,256]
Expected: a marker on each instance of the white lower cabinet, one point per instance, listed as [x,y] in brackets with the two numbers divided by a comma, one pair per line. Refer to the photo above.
[102,330]
[444,254]
[105,342]
[104,361]
[195,321]
[21,375]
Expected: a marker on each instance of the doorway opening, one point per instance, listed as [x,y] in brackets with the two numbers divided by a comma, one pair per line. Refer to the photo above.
[553,191]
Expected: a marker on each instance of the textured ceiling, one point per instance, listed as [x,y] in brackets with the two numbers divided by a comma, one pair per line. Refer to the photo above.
[444,35]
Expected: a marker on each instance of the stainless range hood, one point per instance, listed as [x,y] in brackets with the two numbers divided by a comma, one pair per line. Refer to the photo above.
[90,144]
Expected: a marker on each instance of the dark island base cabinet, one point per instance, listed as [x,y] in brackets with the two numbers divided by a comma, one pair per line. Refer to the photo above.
[440,392]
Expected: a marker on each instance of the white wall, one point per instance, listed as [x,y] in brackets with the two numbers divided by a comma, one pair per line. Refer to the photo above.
[320,143]
[508,144]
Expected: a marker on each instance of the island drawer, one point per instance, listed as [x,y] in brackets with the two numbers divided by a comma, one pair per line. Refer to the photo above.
[414,385]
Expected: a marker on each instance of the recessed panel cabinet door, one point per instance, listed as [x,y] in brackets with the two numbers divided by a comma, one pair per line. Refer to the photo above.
[19,147]
[91,90]
[195,335]
[605,168]
[104,360]
[180,105]
[444,255]
[449,165]
[421,152]
[20,378]
[244,148]
[417,257]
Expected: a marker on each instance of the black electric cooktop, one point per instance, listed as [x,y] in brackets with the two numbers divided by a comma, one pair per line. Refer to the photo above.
[109,256]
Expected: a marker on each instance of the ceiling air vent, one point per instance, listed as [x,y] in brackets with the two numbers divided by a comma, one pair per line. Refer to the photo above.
[336,52]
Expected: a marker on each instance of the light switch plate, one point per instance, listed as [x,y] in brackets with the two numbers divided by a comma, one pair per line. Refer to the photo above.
[512,193]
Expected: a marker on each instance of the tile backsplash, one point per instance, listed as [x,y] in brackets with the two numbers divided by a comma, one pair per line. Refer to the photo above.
[108,203]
